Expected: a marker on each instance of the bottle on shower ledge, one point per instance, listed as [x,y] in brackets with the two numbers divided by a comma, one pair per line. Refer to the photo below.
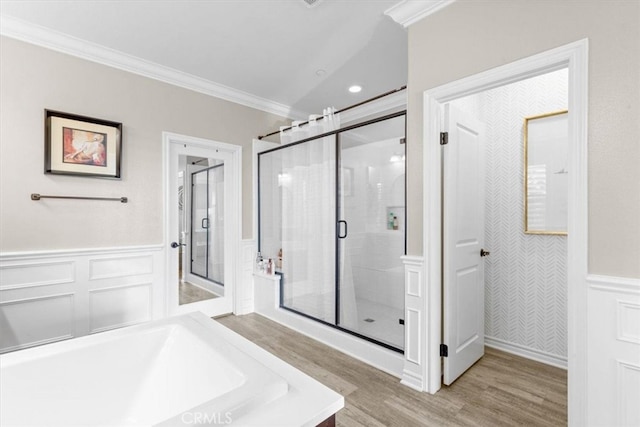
[395,223]
[279,260]
[270,269]
[390,223]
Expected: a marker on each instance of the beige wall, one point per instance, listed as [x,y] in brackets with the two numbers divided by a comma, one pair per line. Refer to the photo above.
[32,79]
[473,36]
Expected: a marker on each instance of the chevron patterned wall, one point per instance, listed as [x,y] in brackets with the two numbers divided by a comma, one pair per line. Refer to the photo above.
[525,276]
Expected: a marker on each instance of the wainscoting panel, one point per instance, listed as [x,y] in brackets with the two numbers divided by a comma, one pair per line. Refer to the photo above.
[413,330]
[120,306]
[122,266]
[629,394]
[52,296]
[414,372]
[628,322]
[614,351]
[34,321]
[15,276]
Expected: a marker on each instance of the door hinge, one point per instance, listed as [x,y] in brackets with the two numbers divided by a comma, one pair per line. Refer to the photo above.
[403,140]
[444,138]
[444,350]
[401,321]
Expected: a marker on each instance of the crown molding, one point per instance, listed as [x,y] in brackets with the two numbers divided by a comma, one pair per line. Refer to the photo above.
[54,40]
[408,12]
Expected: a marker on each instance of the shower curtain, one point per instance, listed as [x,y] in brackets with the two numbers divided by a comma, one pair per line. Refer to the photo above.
[308,182]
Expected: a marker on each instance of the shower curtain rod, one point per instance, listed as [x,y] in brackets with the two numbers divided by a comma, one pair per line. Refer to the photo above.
[391,92]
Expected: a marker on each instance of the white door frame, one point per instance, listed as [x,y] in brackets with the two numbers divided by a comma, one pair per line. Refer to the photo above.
[201,147]
[573,56]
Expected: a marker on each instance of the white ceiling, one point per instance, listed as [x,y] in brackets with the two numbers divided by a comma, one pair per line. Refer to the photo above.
[271,49]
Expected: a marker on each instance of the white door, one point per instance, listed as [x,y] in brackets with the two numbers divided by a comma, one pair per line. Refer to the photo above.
[463,237]
[179,150]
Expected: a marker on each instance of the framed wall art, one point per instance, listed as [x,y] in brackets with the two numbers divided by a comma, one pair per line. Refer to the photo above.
[83,146]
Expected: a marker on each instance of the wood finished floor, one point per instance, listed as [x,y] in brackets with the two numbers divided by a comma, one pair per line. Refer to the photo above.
[499,390]
[188,293]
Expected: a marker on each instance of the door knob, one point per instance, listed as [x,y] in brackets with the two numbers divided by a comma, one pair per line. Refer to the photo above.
[484,253]
[176,244]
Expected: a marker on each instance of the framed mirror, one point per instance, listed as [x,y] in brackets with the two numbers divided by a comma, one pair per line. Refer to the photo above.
[546,139]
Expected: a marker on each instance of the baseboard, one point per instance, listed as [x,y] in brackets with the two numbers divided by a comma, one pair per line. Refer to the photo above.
[526,352]
[412,380]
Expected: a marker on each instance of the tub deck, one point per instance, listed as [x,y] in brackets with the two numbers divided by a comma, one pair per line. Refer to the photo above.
[183,370]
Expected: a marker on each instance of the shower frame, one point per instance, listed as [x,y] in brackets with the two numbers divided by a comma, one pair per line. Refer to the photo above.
[191,222]
[337,133]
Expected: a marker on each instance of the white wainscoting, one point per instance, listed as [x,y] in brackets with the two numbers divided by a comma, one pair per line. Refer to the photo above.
[613,351]
[414,372]
[244,288]
[52,296]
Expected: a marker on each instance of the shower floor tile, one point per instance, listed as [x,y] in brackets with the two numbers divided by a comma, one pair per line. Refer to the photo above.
[385,326]
[374,320]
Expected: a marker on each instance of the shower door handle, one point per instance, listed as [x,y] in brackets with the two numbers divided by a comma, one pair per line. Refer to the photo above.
[340,228]
[205,223]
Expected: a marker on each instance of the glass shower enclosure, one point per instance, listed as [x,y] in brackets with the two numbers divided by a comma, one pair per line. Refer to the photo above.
[334,207]
[207,224]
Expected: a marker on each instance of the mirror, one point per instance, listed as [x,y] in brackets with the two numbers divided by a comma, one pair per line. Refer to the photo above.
[201,223]
[546,140]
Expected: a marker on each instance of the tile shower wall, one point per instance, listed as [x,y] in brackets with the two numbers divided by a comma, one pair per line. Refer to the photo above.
[525,276]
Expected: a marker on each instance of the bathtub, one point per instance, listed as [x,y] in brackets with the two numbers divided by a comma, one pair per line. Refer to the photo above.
[185,370]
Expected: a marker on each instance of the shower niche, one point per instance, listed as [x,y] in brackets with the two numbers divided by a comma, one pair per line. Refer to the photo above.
[334,207]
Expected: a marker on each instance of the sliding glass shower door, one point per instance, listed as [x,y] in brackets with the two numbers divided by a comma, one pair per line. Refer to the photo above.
[371,206]
[207,223]
[334,208]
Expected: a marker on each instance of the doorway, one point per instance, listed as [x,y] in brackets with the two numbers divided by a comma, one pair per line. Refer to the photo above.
[202,227]
[574,57]
[509,218]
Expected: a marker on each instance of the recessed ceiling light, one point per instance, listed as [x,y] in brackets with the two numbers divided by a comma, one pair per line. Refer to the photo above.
[320,72]
[355,89]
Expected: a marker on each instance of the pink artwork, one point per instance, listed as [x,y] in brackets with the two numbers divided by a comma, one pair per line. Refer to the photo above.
[84,147]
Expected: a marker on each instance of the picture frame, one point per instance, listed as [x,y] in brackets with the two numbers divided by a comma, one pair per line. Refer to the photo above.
[82,146]
[546,143]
